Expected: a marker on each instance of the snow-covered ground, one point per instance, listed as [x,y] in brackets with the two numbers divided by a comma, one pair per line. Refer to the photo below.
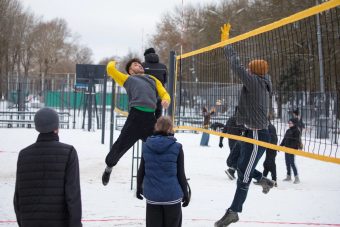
[313,202]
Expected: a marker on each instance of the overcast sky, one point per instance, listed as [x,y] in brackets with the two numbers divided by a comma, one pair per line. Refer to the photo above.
[109,27]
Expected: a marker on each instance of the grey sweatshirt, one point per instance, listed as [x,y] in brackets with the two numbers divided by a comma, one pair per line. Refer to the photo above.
[141,90]
[253,107]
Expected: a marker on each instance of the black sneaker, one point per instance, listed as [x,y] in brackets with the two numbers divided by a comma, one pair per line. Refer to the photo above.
[231,173]
[275,184]
[256,182]
[106,175]
[228,218]
[266,184]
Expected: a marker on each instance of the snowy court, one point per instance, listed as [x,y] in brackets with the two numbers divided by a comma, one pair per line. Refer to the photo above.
[313,202]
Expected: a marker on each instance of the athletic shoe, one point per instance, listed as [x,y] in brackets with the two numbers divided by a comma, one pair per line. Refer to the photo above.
[297,180]
[266,184]
[288,178]
[256,182]
[275,184]
[228,218]
[106,175]
[231,173]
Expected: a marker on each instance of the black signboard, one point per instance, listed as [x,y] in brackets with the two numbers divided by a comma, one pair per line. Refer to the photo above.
[86,73]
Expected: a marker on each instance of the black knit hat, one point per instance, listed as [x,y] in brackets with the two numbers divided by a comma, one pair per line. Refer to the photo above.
[294,121]
[129,63]
[149,51]
[296,111]
[46,120]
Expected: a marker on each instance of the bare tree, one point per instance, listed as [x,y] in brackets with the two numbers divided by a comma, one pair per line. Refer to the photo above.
[27,42]
[51,38]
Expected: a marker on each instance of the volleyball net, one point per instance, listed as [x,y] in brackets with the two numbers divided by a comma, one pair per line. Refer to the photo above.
[303,53]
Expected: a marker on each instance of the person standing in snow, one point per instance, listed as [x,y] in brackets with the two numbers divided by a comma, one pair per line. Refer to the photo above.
[206,123]
[47,186]
[292,139]
[161,177]
[153,67]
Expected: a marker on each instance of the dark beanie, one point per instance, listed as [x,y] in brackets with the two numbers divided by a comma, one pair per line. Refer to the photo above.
[294,121]
[296,112]
[46,120]
[149,51]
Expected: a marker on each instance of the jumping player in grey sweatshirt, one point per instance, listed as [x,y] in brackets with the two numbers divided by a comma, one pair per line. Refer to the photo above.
[253,108]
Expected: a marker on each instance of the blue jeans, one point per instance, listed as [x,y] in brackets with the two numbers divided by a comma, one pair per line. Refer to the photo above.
[290,163]
[250,155]
[205,139]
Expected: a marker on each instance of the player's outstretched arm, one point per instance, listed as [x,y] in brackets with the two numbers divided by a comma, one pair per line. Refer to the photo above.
[162,93]
[119,77]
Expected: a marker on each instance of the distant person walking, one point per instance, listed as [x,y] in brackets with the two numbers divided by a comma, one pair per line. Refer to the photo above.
[253,109]
[292,139]
[152,66]
[206,124]
[161,177]
[142,90]
[47,186]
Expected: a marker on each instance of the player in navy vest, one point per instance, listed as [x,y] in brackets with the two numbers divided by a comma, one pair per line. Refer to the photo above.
[161,177]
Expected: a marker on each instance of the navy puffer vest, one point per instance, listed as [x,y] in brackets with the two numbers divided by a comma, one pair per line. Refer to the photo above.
[160,181]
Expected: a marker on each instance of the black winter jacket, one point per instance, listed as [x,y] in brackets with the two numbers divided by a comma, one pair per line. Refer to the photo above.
[271,154]
[231,127]
[153,67]
[47,188]
[292,138]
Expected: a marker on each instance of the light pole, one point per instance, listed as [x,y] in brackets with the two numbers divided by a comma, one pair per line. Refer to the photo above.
[322,129]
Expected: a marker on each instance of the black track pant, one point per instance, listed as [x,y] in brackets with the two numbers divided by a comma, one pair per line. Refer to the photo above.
[159,109]
[164,215]
[138,125]
[269,164]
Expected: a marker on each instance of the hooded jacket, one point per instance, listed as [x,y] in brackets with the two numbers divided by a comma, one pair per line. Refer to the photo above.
[162,182]
[153,67]
[253,106]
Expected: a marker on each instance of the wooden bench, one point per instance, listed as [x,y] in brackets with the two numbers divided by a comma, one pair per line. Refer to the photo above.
[24,119]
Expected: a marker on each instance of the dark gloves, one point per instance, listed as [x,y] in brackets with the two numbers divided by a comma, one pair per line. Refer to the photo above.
[139,193]
[220,144]
[185,201]
[187,196]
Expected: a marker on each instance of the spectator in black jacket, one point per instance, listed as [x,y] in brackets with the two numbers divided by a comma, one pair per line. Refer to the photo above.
[292,139]
[153,67]
[47,187]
